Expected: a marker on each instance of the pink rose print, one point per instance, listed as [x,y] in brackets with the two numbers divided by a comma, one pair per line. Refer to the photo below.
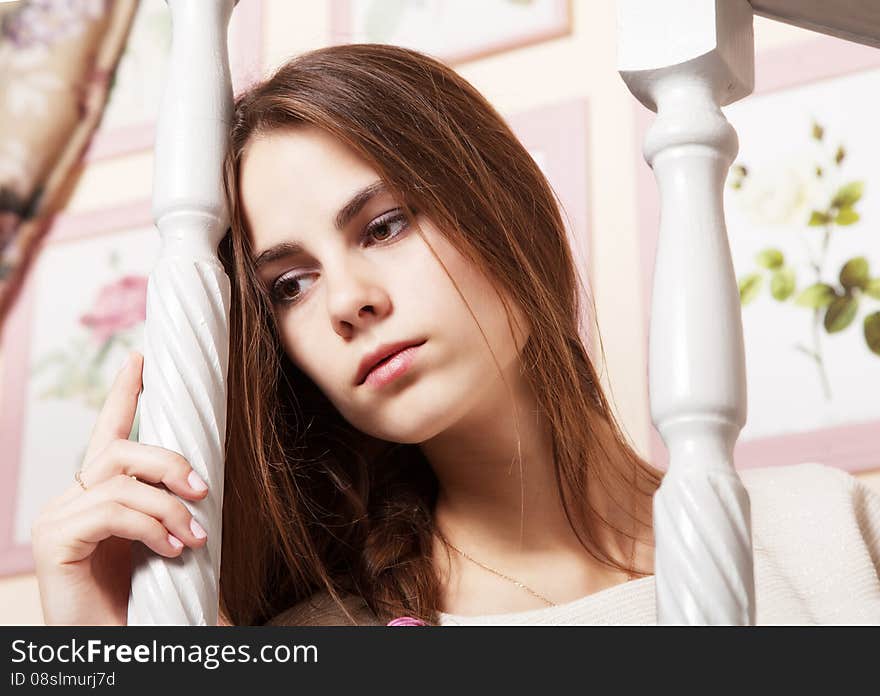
[119,306]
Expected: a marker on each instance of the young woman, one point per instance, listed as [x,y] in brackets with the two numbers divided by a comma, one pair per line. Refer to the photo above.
[415,427]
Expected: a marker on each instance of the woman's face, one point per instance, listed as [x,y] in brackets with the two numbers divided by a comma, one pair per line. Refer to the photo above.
[348,273]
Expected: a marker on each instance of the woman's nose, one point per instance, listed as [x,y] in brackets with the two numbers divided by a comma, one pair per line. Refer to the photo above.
[354,300]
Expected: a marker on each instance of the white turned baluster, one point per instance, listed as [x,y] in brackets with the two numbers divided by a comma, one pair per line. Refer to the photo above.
[186,348]
[684,59]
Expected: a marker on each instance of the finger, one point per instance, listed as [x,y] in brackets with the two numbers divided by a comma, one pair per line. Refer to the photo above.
[147,463]
[80,533]
[117,414]
[152,501]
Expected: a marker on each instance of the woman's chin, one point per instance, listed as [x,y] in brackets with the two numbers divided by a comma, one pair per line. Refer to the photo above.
[409,425]
[410,434]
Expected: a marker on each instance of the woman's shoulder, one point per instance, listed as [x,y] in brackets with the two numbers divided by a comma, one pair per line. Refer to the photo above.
[798,493]
[794,483]
[815,511]
[816,541]
[321,609]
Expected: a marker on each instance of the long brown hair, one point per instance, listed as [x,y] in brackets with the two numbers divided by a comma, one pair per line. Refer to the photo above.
[313,504]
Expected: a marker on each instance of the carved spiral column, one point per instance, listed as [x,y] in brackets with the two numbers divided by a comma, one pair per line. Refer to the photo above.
[183,405]
[685,59]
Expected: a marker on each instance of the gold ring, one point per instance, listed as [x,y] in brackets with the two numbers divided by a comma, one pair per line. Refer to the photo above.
[78,477]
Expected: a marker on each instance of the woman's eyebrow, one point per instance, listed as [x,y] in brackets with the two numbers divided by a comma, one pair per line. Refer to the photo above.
[357,202]
[345,215]
[278,251]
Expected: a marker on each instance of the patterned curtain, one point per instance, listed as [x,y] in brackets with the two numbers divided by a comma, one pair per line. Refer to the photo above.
[57,58]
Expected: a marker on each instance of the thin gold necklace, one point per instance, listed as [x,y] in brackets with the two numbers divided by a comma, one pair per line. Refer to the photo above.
[516,582]
[497,572]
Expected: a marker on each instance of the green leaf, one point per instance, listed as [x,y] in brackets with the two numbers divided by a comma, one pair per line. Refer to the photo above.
[816,296]
[846,216]
[749,287]
[841,313]
[818,131]
[839,155]
[873,288]
[854,273]
[782,284]
[848,195]
[57,357]
[770,258]
[872,332]
[740,170]
[818,218]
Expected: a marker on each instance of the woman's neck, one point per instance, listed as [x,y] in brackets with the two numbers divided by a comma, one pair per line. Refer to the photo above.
[495,491]
[509,516]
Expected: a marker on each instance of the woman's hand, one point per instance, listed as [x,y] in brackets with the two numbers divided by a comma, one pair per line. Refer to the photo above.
[82,539]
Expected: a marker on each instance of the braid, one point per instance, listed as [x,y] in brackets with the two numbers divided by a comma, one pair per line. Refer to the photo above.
[397,560]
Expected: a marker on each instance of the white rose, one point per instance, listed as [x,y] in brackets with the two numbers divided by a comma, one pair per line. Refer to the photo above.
[786,191]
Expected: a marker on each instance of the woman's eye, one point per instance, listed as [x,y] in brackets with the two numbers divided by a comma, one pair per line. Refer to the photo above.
[287,288]
[388,226]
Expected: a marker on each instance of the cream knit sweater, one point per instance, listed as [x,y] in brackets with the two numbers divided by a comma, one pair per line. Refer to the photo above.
[816,540]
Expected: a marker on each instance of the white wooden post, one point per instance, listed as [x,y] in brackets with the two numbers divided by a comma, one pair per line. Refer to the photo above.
[183,405]
[684,59]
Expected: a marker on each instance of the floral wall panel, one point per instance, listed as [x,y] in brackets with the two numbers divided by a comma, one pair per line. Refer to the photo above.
[803,207]
[82,310]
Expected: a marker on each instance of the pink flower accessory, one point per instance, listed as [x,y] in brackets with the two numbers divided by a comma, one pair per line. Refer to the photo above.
[406,621]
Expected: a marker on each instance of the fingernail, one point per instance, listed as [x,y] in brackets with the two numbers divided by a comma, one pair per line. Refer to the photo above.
[175,542]
[196,483]
[197,529]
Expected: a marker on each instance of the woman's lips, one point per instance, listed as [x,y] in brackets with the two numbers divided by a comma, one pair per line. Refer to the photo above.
[392,367]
